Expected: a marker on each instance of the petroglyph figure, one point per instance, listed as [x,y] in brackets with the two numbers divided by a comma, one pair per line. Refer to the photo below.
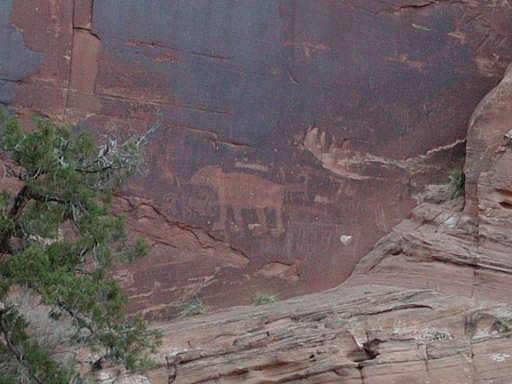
[243,191]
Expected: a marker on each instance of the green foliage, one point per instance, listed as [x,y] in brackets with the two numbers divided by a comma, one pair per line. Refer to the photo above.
[193,308]
[457,181]
[264,298]
[35,364]
[58,239]
[503,326]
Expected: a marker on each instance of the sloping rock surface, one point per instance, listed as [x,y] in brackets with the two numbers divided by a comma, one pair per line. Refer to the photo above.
[370,335]
[291,135]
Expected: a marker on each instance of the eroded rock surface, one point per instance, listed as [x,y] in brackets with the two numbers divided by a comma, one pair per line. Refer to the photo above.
[430,304]
[313,107]
[358,335]
[455,249]
[293,134]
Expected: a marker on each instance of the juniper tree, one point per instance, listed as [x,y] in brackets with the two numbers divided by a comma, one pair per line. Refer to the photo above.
[59,240]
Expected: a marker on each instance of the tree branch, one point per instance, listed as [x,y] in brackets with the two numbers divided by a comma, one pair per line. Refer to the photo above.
[20,201]
[11,347]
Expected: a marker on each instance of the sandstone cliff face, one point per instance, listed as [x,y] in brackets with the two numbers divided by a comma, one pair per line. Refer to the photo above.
[291,135]
[429,304]
[463,251]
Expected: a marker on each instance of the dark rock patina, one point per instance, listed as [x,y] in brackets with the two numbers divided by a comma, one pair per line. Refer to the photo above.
[292,134]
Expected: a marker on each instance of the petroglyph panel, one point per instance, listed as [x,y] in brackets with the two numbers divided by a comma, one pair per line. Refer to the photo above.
[239,191]
[316,120]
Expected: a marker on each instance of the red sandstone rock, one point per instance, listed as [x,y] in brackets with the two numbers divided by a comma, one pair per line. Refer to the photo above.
[347,107]
[430,304]
[454,250]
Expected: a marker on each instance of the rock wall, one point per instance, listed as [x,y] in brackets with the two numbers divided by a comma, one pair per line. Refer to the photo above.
[451,249]
[291,134]
[430,304]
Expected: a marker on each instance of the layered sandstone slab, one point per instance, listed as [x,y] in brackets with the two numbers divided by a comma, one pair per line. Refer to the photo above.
[292,134]
[359,335]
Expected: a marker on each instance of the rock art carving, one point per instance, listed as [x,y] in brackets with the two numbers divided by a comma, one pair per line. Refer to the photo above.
[333,156]
[252,82]
[336,156]
[240,191]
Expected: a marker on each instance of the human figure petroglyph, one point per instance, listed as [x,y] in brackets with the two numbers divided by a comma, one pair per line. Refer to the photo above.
[243,191]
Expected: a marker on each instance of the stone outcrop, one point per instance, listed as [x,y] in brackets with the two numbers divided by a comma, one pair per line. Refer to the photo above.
[321,118]
[430,303]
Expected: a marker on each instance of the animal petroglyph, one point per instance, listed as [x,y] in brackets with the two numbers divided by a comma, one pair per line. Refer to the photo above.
[243,191]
